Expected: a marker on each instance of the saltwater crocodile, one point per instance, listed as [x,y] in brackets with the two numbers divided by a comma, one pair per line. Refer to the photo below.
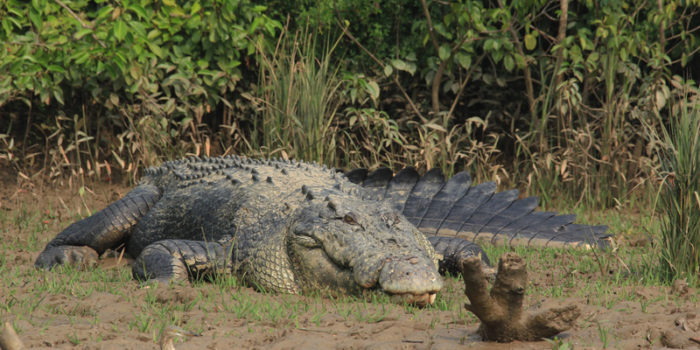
[290,226]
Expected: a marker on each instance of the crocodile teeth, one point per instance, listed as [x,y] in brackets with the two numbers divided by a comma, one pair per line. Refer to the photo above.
[419,300]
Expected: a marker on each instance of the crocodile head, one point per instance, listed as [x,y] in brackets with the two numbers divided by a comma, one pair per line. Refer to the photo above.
[351,245]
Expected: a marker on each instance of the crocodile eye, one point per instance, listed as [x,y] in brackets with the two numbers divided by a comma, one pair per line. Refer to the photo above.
[350,219]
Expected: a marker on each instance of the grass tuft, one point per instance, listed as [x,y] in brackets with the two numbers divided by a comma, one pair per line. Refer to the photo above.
[679,195]
[301,94]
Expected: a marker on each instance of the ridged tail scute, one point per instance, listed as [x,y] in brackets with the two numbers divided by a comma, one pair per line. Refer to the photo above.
[454,208]
[399,188]
[376,182]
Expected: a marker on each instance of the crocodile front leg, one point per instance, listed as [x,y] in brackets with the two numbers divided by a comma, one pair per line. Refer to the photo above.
[178,259]
[81,242]
[453,250]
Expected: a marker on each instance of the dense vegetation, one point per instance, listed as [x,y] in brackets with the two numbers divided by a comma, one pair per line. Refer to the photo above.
[558,97]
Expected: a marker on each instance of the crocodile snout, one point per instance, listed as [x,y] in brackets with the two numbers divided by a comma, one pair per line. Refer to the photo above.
[412,275]
[412,279]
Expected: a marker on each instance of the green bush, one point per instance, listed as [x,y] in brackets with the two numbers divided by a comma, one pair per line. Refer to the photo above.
[549,95]
[139,74]
[58,50]
[566,85]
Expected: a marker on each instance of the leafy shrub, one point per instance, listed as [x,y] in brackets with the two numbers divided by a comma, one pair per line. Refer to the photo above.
[557,80]
[548,94]
[122,61]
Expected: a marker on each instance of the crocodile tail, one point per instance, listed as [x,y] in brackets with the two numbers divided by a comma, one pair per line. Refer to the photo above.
[455,208]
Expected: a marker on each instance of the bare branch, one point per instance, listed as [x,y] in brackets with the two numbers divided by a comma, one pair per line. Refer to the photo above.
[431,31]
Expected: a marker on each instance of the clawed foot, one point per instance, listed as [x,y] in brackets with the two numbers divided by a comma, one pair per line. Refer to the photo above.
[80,256]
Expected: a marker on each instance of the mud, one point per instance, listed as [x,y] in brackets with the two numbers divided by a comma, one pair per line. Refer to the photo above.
[102,308]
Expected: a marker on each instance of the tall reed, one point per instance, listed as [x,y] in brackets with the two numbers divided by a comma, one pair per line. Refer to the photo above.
[679,195]
[300,98]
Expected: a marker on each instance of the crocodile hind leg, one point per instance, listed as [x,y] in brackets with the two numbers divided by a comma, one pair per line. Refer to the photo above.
[454,250]
[81,242]
[179,259]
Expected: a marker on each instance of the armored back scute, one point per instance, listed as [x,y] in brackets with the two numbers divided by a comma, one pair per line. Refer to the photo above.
[455,208]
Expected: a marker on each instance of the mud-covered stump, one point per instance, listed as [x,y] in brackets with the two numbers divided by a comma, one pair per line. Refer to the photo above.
[9,339]
[501,310]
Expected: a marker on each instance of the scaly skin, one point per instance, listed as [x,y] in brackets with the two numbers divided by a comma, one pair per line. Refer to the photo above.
[283,226]
[292,227]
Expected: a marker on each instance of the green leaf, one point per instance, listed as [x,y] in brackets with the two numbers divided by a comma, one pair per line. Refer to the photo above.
[488,44]
[153,34]
[411,68]
[195,8]
[35,17]
[464,60]
[373,89]
[388,70]
[444,52]
[81,33]
[56,68]
[137,29]
[7,25]
[58,94]
[530,42]
[120,62]
[105,11]
[585,43]
[403,66]
[81,57]
[593,57]
[139,10]
[497,56]
[399,64]
[120,30]
[509,63]
[156,50]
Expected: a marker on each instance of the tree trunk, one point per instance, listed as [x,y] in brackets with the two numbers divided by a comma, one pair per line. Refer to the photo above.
[501,310]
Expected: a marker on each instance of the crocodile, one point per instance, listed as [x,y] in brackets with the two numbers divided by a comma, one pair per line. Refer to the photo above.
[292,227]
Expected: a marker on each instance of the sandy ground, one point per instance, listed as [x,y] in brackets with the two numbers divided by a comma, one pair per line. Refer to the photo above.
[59,309]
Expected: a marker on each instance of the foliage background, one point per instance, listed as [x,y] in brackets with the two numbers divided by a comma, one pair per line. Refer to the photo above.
[551,96]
